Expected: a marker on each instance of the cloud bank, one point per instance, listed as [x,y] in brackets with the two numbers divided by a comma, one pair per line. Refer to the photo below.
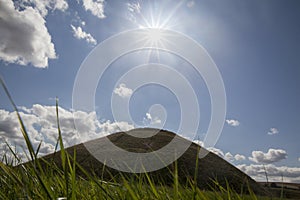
[275,173]
[40,123]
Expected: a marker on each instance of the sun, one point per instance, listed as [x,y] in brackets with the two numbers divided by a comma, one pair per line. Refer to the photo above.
[153,28]
[154,24]
[154,35]
[154,32]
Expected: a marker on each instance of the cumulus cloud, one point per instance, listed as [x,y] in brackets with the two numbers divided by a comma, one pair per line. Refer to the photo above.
[40,123]
[96,7]
[273,155]
[80,34]
[239,157]
[275,173]
[273,131]
[232,122]
[123,91]
[216,151]
[149,120]
[24,37]
[227,156]
[148,116]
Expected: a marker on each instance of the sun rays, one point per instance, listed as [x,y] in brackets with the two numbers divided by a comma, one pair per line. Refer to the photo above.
[154,21]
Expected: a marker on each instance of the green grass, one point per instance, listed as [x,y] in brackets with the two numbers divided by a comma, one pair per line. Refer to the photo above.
[41,179]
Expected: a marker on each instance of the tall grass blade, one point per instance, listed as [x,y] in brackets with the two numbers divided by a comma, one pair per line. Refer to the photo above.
[23,129]
[130,190]
[13,153]
[63,154]
[152,186]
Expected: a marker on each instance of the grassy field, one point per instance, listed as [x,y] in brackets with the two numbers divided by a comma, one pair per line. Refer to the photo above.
[31,181]
[43,179]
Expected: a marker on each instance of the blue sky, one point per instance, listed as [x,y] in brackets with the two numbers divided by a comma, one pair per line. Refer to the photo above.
[255,45]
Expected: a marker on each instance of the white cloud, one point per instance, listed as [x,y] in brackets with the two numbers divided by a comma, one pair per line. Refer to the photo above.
[24,37]
[26,110]
[275,173]
[40,123]
[148,116]
[149,120]
[229,157]
[96,7]
[299,159]
[232,158]
[123,91]
[216,151]
[232,122]
[239,157]
[273,155]
[273,131]
[80,34]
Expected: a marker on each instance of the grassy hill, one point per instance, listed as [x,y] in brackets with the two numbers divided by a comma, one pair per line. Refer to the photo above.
[210,168]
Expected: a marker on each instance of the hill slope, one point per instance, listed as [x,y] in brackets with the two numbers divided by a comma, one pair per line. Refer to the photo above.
[211,167]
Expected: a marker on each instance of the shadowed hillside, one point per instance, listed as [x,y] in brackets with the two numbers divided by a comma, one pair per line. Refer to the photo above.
[211,167]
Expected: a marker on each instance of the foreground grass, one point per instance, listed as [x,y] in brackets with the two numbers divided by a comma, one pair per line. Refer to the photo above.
[41,179]
[26,183]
